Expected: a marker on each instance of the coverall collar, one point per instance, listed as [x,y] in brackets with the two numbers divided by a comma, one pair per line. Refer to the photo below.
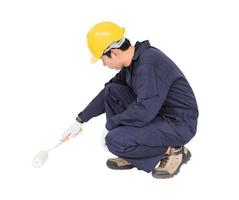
[139,48]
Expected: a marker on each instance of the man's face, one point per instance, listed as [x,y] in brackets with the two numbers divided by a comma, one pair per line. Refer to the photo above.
[114,62]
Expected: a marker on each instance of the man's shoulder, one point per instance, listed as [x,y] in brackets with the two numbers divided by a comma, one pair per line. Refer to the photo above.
[150,55]
[158,63]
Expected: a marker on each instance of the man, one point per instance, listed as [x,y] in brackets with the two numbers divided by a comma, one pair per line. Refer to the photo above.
[150,108]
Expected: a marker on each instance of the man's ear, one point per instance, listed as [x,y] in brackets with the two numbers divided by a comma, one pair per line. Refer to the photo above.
[115,52]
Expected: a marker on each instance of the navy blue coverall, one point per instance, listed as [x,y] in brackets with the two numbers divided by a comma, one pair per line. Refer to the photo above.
[149,106]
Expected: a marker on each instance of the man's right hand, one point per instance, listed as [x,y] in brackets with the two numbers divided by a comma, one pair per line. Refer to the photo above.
[72,131]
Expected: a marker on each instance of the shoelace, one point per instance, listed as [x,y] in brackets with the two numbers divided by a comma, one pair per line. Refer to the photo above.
[164,161]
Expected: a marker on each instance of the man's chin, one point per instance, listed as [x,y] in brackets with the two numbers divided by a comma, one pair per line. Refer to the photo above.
[116,68]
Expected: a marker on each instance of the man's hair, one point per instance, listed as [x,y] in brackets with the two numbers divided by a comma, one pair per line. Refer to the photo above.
[123,47]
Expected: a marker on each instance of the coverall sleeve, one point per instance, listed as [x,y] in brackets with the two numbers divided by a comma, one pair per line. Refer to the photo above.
[96,106]
[151,92]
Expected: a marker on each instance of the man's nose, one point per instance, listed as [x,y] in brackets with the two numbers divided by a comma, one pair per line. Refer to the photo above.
[103,62]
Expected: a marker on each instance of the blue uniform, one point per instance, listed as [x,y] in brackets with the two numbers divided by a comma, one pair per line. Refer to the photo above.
[149,106]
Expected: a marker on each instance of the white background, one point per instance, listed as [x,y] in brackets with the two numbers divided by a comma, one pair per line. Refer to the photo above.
[46,80]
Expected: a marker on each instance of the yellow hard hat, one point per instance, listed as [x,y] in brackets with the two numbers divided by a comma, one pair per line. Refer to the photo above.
[101,36]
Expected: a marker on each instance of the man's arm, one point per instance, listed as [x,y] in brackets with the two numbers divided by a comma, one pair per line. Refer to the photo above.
[96,107]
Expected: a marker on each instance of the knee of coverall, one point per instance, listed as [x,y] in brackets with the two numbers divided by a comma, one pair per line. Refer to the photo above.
[111,88]
[119,92]
[119,140]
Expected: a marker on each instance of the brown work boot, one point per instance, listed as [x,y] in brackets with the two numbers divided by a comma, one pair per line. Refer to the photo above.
[118,163]
[171,162]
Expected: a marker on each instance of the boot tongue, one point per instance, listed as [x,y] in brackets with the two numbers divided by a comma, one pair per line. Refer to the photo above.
[168,151]
[176,150]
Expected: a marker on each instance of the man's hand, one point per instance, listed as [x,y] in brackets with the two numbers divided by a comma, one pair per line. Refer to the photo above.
[72,131]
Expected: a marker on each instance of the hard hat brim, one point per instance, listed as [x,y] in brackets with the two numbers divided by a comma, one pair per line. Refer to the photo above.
[93,60]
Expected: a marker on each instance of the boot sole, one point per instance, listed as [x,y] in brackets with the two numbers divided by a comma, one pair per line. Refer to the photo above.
[185,160]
